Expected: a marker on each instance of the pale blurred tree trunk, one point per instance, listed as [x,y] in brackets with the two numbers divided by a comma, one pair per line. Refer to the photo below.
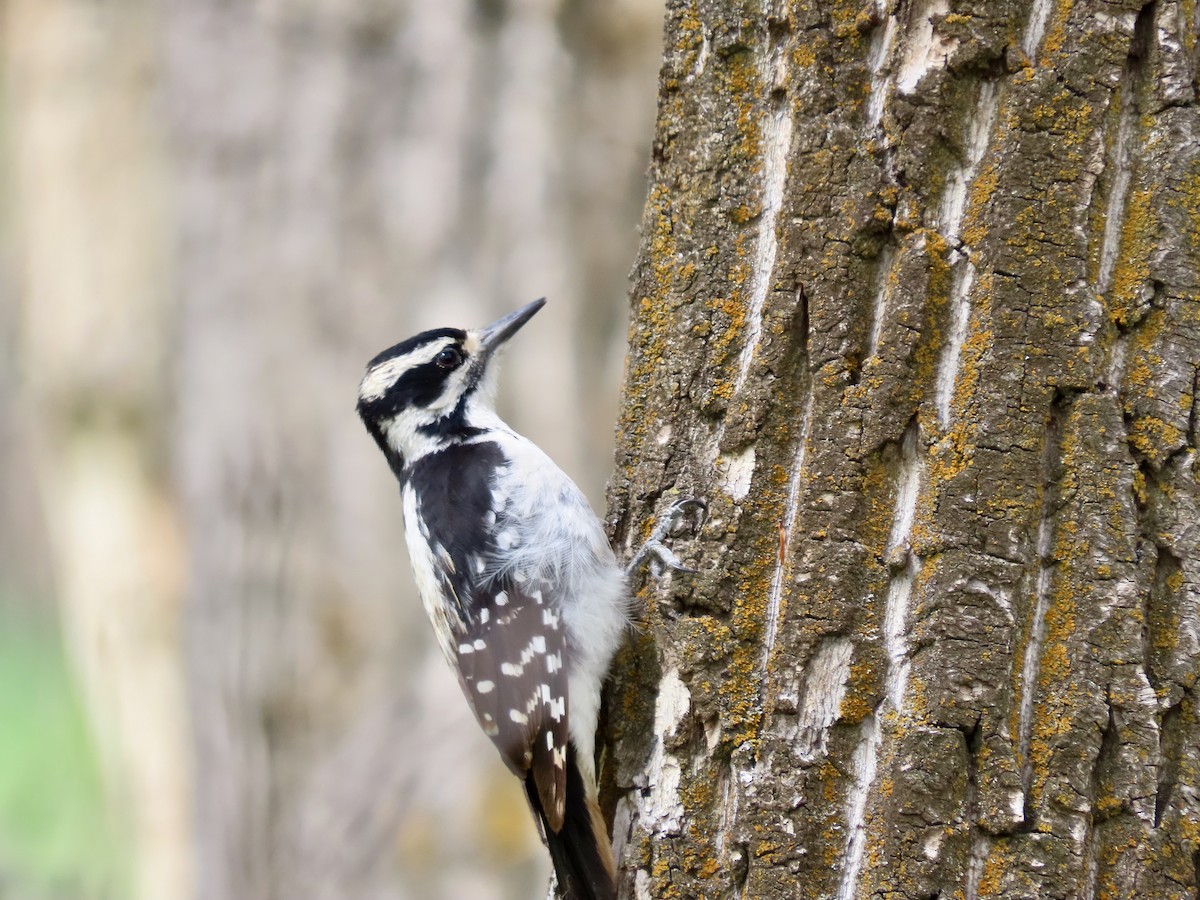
[918,311]
[349,174]
[86,222]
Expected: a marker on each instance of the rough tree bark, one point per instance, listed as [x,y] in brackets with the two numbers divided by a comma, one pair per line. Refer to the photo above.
[917,310]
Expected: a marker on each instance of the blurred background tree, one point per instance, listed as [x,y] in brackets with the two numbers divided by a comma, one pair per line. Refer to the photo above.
[215,679]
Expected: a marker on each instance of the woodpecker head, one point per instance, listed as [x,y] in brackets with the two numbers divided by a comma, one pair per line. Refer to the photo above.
[432,388]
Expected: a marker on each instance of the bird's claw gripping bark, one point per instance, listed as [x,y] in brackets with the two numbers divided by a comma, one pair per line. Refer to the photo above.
[691,513]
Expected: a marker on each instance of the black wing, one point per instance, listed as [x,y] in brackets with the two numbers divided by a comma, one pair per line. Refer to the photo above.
[507,633]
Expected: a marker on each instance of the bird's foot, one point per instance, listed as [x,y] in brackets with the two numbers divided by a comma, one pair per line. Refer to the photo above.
[691,513]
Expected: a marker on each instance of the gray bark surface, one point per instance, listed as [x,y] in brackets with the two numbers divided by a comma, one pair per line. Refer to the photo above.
[917,311]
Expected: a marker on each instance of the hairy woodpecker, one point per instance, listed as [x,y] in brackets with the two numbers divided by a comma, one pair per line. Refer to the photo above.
[526,597]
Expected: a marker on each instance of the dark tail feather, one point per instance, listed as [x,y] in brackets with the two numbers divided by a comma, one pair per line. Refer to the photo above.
[580,851]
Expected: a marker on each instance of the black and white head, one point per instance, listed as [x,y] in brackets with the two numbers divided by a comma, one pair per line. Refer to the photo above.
[433,389]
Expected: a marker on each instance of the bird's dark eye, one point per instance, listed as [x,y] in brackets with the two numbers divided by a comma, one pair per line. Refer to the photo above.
[449,358]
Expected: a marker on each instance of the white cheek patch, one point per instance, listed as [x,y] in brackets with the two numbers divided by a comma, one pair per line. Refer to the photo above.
[451,391]
[377,380]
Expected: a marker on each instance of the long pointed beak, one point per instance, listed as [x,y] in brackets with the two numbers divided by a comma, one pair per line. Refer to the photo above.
[502,329]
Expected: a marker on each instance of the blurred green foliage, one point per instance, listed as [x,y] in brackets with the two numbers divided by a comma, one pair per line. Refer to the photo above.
[58,838]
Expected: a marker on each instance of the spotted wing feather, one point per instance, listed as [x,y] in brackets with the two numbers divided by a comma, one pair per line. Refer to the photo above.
[512,675]
[506,632]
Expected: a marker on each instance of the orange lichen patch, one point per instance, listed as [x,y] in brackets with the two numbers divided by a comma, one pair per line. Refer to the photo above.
[936,253]
[1150,434]
[689,39]
[1105,806]
[847,26]
[739,274]
[804,56]
[1144,363]
[648,343]
[1065,115]
[742,214]
[878,487]
[636,705]
[1188,198]
[650,328]
[1055,685]
[983,188]
[862,691]
[662,233]
[991,880]
[1132,269]
[740,694]
[1189,829]
[730,326]
[709,867]
[916,697]
[975,348]
[742,83]
[699,799]
[949,457]
[1175,581]
[1056,34]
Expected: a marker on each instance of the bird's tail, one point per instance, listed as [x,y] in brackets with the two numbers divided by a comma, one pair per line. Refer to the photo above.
[580,850]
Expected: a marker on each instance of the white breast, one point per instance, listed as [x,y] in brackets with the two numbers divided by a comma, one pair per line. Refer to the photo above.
[561,539]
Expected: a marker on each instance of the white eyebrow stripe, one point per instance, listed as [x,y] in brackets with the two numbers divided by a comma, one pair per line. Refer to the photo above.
[377,380]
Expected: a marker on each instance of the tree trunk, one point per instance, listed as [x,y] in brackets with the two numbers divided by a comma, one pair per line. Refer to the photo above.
[917,311]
